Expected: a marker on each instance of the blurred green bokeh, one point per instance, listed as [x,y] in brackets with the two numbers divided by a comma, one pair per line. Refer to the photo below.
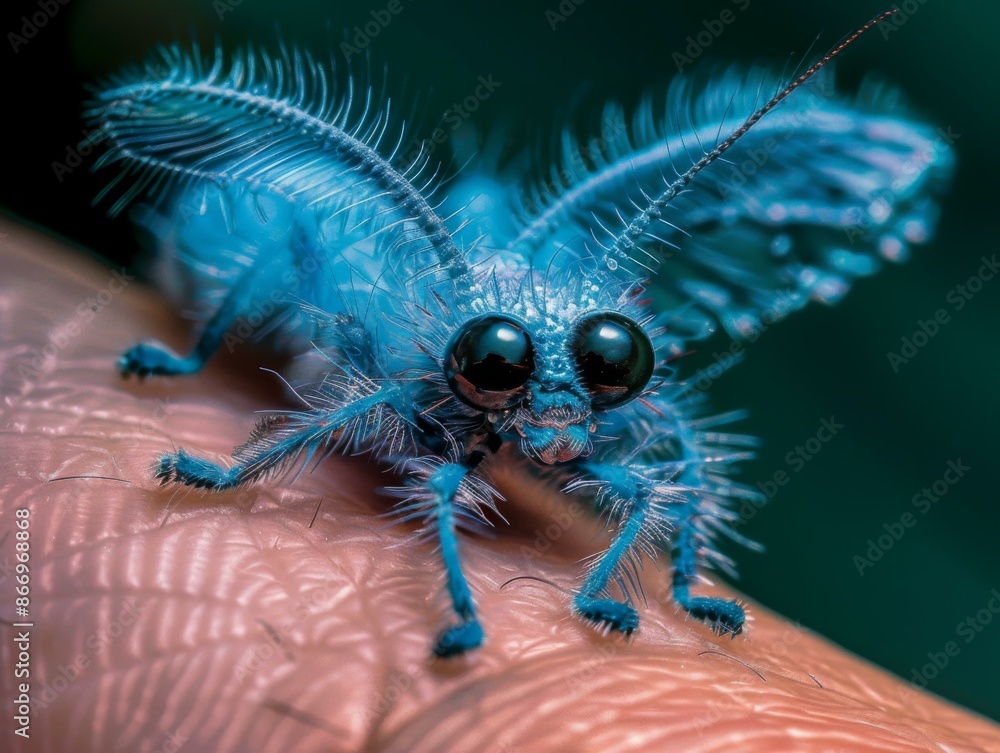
[900,429]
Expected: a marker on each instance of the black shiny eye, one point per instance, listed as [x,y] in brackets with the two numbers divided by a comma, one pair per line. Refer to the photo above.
[614,358]
[488,361]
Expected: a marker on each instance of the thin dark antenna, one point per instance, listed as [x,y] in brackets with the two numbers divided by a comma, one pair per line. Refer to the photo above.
[627,240]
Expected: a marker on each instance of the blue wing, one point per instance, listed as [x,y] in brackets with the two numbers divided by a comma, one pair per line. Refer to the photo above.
[264,186]
[818,193]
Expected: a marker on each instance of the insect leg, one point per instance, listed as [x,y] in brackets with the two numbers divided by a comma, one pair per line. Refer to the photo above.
[628,498]
[722,615]
[655,505]
[156,359]
[441,498]
[279,441]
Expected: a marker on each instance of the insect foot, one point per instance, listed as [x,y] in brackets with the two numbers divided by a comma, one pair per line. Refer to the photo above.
[721,616]
[182,468]
[459,639]
[617,616]
[147,359]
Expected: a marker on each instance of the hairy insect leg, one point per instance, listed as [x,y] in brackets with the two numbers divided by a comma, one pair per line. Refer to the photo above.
[156,359]
[688,539]
[628,499]
[443,488]
[275,443]
[723,616]
[653,507]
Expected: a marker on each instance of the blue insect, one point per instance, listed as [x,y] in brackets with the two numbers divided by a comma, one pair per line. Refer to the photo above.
[445,335]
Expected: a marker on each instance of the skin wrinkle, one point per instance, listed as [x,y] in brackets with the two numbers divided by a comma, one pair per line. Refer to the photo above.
[197,662]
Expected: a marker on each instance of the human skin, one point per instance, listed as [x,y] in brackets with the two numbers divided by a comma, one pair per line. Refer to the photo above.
[294,616]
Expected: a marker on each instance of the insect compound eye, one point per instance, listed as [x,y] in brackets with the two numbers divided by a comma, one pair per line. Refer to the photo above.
[488,361]
[614,357]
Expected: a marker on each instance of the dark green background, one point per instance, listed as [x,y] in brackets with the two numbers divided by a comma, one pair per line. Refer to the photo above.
[900,429]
